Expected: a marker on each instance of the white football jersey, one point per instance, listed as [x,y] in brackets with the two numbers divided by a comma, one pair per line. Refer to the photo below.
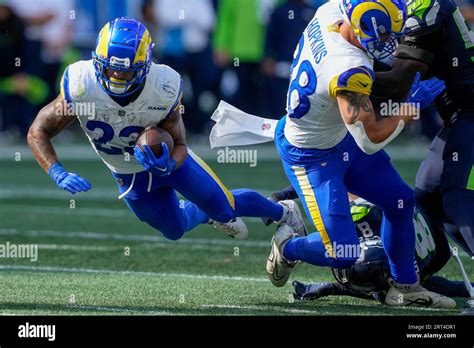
[324,63]
[112,129]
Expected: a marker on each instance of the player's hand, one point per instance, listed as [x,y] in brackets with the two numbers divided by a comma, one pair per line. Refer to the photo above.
[70,182]
[162,166]
[425,92]
[311,291]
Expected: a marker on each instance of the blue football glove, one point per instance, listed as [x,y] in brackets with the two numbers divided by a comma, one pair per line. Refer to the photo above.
[162,166]
[70,182]
[425,92]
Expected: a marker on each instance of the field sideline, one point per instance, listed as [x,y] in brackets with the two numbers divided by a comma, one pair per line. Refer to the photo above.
[97,258]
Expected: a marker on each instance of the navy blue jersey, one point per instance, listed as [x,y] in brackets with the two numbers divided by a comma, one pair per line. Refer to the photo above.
[437,26]
[368,221]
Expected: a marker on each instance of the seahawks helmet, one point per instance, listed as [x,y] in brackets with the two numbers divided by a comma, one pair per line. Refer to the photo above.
[377,24]
[123,44]
[371,271]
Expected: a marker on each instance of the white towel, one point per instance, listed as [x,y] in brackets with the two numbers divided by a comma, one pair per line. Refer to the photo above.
[236,128]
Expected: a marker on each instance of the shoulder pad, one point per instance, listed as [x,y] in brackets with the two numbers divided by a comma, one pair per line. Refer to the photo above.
[423,14]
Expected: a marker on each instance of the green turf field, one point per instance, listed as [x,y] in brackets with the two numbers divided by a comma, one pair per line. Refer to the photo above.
[97,258]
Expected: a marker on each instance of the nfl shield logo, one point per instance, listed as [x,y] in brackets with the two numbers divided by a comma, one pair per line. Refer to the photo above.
[266,126]
[121,113]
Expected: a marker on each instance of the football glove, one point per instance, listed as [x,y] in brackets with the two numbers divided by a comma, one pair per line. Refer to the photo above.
[425,92]
[312,291]
[162,166]
[70,182]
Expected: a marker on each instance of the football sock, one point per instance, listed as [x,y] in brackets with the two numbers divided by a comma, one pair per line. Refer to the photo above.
[252,204]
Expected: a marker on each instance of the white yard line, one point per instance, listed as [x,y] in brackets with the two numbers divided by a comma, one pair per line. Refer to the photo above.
[99,194]
[124,310]
[76,247]
[133,237]
[80,211]
[131,273]
[78,152]
[260,308]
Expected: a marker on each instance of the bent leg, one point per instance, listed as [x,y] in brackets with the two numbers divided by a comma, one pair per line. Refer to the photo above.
[200,185]
[324,197]
[374,178]
[162,210]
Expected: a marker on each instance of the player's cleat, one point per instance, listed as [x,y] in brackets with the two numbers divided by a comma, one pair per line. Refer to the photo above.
[292,217]
[278,268]
[235,228]
[416,295]
[470,310]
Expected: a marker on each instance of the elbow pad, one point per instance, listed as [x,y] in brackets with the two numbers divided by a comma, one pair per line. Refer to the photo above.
[357,131]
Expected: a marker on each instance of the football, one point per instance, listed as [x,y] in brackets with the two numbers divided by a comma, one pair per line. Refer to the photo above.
[153,137]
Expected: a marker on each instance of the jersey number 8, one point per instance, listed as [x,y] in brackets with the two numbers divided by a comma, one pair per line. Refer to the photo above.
[303,85]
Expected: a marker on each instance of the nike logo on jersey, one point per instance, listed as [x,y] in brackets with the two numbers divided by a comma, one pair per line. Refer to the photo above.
[364,85]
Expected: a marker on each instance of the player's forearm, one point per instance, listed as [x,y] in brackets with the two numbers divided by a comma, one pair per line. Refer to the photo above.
[51,120]
[42,148]
[396,83]
[179,154]
[385,128]
[391,85]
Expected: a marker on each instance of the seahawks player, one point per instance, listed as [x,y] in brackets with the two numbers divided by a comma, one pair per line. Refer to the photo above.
[368,277]
[439,43]
[331,142]
[128,93]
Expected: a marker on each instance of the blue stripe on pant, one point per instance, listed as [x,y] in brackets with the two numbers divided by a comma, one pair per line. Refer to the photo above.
[322,179]
[154,200]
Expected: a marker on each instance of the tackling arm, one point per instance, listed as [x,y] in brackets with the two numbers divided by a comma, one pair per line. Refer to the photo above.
[174,125]
[359,116]
[396,83]
[49,122]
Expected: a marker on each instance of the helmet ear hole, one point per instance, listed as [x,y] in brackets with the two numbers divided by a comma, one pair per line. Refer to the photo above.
[364,27]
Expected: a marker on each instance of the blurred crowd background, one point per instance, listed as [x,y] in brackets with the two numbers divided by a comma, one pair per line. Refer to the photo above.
[236,50]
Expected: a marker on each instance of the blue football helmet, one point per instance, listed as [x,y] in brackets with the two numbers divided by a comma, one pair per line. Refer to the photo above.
[377,24]
[124,44]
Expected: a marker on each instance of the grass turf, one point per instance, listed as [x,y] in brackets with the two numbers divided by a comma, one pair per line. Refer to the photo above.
[97,258]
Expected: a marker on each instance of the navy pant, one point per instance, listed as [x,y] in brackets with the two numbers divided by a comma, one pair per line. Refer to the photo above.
[445,182]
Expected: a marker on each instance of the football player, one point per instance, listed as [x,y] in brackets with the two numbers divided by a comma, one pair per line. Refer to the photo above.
[331,142]
[127,92]
[367,278]
[439,43]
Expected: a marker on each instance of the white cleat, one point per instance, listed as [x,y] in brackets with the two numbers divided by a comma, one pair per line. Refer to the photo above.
[292,217]
[235,228]
[416,295]
[278,268]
